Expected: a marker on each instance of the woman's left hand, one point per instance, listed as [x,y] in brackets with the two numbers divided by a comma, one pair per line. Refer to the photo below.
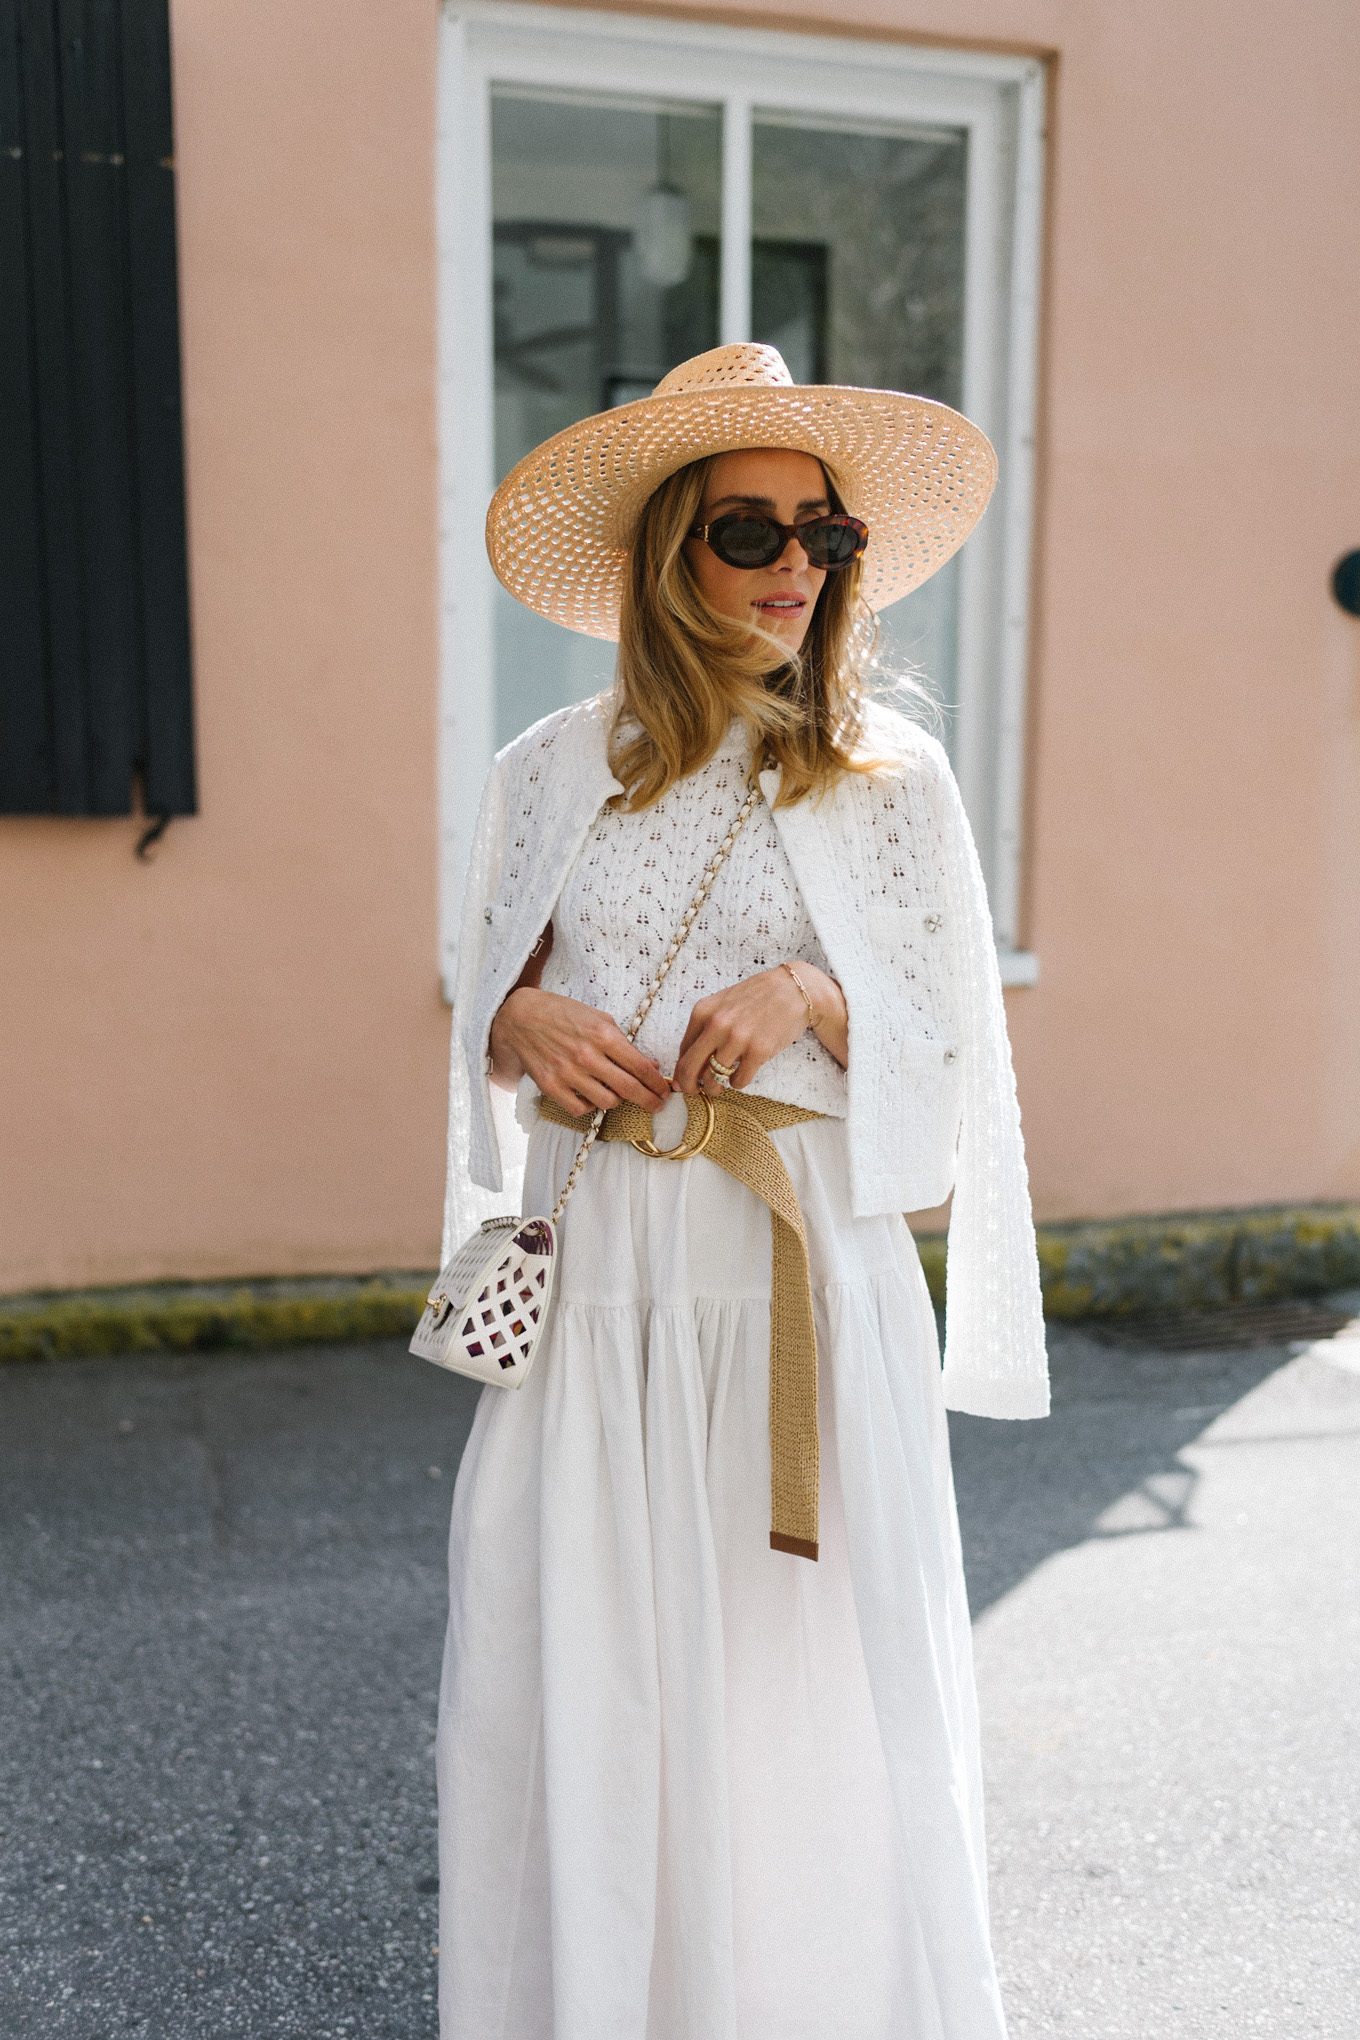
[750,1021]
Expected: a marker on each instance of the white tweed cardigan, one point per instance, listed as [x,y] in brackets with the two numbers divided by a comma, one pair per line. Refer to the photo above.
[890,876]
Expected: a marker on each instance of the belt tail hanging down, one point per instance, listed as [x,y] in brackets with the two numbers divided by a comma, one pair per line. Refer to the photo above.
[735,1135]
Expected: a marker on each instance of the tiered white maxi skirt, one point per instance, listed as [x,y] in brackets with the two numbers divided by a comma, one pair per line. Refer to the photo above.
[690,1788]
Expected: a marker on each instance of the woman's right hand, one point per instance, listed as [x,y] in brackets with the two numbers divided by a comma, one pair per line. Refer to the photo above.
[579,1057]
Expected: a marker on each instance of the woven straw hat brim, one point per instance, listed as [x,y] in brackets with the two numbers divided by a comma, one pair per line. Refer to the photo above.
[559,526]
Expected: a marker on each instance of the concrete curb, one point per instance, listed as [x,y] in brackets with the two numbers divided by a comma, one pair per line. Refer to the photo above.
[1088,1269]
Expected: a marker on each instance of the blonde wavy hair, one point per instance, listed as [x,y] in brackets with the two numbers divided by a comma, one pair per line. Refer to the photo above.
[683,669]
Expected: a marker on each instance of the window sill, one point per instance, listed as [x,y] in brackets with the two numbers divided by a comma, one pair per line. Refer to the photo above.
[1018,966]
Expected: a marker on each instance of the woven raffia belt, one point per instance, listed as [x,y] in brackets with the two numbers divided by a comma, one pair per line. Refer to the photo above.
[731,1129]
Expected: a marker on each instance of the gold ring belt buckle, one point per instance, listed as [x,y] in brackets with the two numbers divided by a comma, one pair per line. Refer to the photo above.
[645,1145]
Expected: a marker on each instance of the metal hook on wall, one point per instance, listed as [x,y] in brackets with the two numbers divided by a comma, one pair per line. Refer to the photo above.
[150,836]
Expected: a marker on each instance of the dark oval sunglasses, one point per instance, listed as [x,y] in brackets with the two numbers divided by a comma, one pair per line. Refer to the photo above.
[748,538]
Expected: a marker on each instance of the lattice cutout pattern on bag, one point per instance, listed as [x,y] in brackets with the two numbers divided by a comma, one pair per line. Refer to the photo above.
[486,1325]
[507,1308]
[494,1336]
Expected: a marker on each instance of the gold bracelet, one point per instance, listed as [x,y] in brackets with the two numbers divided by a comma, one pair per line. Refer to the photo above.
[812,1016]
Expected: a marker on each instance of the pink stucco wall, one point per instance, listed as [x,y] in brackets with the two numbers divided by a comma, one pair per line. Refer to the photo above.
[232,1058]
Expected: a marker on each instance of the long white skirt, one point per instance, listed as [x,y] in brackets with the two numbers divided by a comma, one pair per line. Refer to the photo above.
[690,1788]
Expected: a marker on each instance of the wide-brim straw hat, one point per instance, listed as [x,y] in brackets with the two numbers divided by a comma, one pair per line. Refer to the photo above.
[560,525]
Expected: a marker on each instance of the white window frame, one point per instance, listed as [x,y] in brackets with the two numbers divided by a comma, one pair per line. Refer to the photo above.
[999,100]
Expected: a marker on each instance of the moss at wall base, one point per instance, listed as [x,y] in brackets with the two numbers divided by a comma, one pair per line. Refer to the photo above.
[194,1316]
[1092,1268]
[1196,1260]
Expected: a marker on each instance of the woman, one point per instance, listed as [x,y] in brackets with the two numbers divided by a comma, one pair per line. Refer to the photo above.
[707,1754]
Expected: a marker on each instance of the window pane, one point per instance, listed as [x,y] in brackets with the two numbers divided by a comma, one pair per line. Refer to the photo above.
[600,287]
[857,277]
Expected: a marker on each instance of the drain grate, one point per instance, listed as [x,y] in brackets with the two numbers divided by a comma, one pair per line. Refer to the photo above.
[1271,1323]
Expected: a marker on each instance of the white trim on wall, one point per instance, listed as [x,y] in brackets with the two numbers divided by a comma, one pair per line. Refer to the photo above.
[999,101]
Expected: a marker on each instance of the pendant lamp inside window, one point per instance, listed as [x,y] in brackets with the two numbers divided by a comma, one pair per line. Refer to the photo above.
[663,234]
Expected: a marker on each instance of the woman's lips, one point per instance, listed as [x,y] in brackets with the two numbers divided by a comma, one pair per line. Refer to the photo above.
[781,605]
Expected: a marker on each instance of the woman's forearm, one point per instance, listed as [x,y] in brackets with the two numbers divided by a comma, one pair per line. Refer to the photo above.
[832,1023]
[506,1068]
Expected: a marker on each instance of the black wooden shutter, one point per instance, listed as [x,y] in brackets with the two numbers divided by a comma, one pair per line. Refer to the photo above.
[95,678]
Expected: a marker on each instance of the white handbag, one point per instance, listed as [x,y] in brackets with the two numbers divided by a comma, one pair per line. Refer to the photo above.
[485,1314]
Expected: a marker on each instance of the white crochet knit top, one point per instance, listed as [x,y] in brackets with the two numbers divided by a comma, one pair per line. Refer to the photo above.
[626,894]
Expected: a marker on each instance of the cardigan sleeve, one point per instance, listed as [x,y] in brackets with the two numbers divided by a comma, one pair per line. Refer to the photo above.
[995,1360]
[467,1203]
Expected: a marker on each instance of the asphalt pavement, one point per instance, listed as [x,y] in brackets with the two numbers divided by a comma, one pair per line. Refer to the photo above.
[223,1602]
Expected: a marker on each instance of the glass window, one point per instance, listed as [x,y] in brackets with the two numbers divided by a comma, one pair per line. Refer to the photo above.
[605,274]
[857,272]
[618,192]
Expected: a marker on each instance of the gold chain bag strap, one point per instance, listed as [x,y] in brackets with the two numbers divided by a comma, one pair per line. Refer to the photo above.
[485,1313]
